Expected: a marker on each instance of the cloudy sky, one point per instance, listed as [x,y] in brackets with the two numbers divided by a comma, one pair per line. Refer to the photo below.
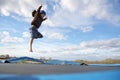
[75,29]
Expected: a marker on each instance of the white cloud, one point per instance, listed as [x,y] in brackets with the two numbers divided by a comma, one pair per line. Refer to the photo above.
[6,38]
[101,10]
[26,34]
[66,12]
[63,17]
[6,13]
[103,44]
[54,35]
[68,52]
[70,5]
[79,13]
[92,50]
[86,29]
[21,9]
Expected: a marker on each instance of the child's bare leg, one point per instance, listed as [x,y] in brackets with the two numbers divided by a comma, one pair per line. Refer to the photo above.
[31,41]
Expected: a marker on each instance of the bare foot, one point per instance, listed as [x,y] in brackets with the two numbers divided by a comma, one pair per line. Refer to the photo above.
[30,50]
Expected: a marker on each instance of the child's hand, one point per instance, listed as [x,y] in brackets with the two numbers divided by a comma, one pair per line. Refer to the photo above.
[41,5]
[45,17]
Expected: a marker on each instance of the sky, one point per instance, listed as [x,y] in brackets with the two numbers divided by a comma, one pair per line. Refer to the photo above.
[75,29]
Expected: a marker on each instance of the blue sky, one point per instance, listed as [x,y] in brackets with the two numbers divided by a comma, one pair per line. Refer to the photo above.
[80,29]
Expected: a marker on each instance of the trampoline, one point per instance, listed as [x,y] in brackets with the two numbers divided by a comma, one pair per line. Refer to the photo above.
[57,70]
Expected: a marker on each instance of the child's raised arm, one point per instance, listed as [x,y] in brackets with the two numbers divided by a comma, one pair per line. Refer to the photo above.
[39,8]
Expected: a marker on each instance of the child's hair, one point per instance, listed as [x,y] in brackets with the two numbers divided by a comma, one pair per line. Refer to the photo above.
[42,12]
[33,13]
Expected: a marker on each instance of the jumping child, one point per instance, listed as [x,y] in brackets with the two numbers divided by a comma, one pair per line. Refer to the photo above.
[39,16]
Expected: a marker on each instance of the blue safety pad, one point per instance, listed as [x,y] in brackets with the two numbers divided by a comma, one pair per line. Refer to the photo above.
[102,75]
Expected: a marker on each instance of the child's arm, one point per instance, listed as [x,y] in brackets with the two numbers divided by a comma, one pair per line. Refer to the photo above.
[39,8]
[36,14]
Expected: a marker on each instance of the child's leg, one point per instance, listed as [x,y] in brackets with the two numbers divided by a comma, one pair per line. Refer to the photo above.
[31,41]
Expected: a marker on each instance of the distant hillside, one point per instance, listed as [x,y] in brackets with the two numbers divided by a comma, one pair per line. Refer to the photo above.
[106,61]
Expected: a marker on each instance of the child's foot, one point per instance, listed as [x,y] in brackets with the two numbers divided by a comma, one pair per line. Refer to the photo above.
[30,50]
